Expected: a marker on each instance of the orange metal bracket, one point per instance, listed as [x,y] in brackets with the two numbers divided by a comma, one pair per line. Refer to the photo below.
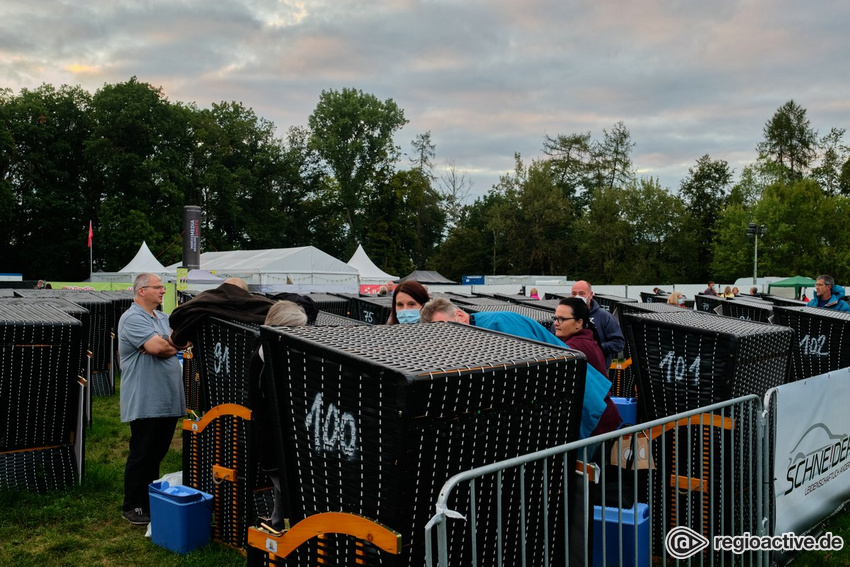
[326,523]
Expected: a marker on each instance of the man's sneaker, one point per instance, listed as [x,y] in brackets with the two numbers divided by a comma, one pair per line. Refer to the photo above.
[137,517]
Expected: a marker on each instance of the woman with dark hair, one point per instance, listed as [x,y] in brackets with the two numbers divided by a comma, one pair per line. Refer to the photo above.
[408,298]
[573,326]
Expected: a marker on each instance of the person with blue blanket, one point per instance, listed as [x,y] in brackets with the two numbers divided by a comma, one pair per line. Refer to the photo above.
[828,295]
[599,414]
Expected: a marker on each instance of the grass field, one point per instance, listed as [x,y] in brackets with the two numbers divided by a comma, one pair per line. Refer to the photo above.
[82,526]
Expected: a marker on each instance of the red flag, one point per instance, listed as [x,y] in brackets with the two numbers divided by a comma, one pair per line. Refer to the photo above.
[91,233]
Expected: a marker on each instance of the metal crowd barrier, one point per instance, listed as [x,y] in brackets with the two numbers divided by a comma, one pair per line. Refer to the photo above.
[686,480]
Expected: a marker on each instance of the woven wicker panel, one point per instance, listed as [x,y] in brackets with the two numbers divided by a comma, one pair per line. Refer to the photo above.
[720,463]
[610,302]
[545,304]
[225,443]
[38,470]
[749,310]
[100,310]
[542,316]
[479,301]
[40,359]
[511,297]
[784,301]
[330,303]
[688,360]
[821,339]
[222,350]
[707,303]
[192,380]
[333,320]
[372,310]
[375,419]
[76,311]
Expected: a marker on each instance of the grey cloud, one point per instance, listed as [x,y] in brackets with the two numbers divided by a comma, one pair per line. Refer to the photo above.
[487,78]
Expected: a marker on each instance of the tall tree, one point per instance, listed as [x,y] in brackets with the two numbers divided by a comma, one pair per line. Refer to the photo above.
[614,157]
[790,143]
[47,182]
[455,189]
[704,193]
[834,155]
[353,133]
[141,150]
[423,153]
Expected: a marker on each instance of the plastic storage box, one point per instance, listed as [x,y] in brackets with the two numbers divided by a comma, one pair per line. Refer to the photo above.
[627,408]
[635,520]
[180,517]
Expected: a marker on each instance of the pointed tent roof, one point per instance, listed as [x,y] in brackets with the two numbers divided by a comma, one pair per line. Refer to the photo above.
[361,262]
[144,261]
[425,277]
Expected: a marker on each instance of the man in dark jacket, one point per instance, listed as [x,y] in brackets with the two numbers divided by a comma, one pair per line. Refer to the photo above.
[611,339]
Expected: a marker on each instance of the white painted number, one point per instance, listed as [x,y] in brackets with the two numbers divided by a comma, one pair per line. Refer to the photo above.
[368,316]
[813,346]
[677,368]
[222,359]
[331,429]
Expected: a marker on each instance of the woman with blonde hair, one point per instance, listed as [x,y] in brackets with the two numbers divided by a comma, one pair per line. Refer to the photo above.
[676,298]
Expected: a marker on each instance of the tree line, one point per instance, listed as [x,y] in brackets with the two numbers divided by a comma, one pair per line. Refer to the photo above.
[128,159]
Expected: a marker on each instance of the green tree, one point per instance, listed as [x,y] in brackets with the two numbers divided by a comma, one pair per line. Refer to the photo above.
[603,236]
[704,193]
[613,157]
[475,245]
[834,155]
[141,151]
[353,133]
[790,143]
[46,192]
[404,222]
[423,153]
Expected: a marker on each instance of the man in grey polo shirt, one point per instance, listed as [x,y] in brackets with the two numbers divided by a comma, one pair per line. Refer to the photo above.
[152,395]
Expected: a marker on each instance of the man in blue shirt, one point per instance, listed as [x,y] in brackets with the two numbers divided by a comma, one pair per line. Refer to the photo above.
[152,393]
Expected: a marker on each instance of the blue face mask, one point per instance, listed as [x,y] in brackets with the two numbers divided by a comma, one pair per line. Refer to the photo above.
[406,316]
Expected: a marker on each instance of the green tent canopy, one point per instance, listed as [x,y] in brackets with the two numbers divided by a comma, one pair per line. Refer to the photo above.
[797,282]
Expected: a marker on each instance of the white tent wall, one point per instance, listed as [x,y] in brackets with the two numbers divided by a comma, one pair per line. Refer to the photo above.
[300,269]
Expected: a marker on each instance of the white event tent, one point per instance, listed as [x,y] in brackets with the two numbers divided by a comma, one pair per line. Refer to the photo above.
[302,268]
[143,261]
[369,272]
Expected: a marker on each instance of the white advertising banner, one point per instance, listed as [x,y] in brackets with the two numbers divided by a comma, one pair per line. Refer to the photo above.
[812,452]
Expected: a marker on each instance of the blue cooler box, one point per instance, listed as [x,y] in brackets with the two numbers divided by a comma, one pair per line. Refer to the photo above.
[180,517]
[633,519]
[627,408]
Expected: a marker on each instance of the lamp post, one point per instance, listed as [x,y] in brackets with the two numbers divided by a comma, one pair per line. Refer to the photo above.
[755,231]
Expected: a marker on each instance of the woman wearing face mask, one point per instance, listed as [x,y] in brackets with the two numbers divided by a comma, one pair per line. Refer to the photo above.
[408,298]
[676,298]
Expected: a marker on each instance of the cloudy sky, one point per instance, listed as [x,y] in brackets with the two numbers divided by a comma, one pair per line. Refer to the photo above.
[487,78]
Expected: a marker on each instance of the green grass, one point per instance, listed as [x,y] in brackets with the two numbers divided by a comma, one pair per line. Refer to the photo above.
[82,526]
